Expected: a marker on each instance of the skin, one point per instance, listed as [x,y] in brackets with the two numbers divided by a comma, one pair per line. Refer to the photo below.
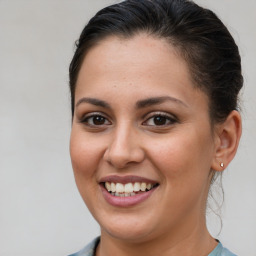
[178,155]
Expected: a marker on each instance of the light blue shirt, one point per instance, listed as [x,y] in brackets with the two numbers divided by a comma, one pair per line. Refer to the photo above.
[89,250]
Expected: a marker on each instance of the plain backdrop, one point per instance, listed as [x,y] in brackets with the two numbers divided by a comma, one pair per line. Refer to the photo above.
[41,212]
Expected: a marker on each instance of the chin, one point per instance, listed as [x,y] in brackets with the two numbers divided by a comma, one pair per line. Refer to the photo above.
[127,228]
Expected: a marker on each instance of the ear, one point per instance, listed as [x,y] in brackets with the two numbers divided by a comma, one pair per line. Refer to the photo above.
[227,136]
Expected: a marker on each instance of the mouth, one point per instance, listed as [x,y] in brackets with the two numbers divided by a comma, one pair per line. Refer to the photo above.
[127,191]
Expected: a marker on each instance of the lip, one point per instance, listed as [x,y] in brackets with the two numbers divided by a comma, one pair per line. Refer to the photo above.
[126,201]
[129,200]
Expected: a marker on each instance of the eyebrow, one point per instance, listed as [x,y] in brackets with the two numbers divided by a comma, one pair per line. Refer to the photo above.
[139,104]
[93,101]
[158,100]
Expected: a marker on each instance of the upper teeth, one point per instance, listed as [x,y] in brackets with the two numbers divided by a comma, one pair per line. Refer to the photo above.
[128,187]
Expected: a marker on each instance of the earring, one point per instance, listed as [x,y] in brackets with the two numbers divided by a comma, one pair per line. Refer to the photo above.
[221,165]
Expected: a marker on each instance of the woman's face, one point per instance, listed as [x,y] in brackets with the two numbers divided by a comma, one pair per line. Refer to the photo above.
[138,123]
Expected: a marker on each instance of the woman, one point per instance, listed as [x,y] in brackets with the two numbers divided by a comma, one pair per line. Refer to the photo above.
[154,88]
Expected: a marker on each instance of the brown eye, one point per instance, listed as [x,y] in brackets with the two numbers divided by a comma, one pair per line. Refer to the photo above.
[160,119]
[96,120]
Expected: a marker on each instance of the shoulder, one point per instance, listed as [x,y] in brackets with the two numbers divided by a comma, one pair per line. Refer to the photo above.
[88,250]
[221,251]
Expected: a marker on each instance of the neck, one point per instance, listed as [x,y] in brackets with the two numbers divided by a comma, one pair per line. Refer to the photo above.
[189,240]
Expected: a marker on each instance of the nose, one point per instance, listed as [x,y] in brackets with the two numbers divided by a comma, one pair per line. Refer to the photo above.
[124,148]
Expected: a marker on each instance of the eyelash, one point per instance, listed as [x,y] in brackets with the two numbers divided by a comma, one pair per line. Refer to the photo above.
[86,119]
[167,118]
[89,119]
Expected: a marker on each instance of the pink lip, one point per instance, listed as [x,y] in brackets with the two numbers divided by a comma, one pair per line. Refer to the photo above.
[129,200]
[126,179]
[126,201]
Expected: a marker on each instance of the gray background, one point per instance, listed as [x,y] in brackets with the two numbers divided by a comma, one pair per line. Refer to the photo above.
[41,212]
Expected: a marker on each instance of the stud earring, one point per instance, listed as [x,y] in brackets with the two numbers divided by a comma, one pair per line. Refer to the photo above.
[221,165]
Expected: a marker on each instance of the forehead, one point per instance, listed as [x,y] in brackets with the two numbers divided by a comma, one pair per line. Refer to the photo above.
[118,50]
[142,63]
[132,55]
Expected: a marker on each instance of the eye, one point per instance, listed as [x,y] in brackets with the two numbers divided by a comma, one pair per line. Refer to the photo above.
[95,120]
[160,119]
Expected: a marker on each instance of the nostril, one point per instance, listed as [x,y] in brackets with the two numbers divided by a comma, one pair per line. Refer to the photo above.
[124,148]
[121,159]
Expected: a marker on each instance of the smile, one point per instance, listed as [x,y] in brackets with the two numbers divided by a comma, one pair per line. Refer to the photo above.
[128,189]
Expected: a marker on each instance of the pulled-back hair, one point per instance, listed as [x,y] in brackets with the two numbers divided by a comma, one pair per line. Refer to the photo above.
[197,33]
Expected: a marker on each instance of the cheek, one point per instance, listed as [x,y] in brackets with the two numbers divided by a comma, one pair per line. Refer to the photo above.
[85,155]
[184,164]
[183,156]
